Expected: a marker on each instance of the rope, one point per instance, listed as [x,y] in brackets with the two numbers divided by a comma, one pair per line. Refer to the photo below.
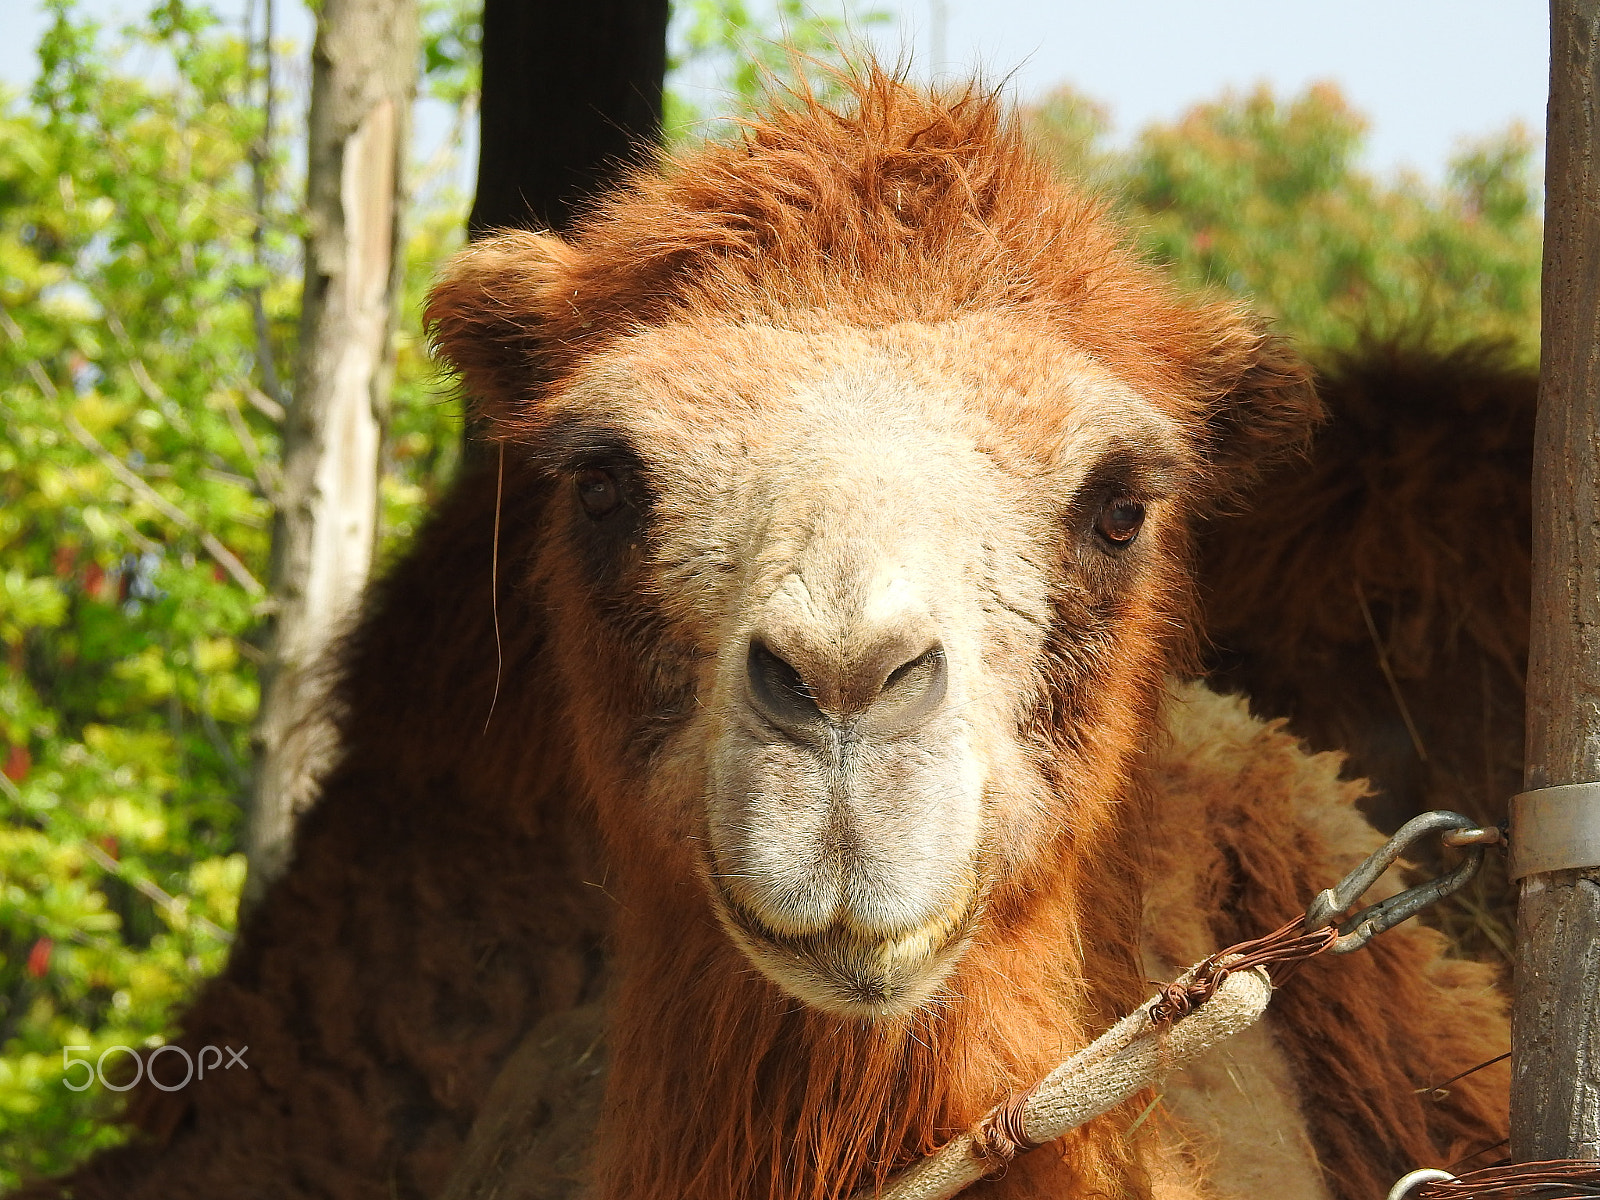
[1132,1055]
[1213,1000]
[1285,945]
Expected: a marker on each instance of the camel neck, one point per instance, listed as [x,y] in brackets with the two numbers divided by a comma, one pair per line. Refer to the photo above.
[722,1087]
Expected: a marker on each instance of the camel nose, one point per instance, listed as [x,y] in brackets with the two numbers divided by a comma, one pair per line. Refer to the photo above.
[893,684]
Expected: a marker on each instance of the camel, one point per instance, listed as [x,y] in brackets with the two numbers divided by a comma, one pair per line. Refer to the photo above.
[800,685]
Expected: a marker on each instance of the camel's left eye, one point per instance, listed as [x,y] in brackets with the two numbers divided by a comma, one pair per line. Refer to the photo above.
[1120,520]
[598,491]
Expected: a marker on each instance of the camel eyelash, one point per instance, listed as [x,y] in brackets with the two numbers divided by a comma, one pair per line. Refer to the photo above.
[569,449]
[1142,474]
[616,458]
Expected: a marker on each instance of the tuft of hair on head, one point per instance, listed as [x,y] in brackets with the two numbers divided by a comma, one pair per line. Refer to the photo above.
[898,204]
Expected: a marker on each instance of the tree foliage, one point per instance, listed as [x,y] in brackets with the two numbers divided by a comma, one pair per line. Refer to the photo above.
[138,465]
[139,452]
[136,476]
[1267,199]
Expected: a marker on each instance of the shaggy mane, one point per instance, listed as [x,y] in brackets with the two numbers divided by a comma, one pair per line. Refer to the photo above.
[905,206]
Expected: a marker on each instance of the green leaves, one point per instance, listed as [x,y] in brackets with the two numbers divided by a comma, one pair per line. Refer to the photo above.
[28,604]
[144,213]
[127,453]
[452,31]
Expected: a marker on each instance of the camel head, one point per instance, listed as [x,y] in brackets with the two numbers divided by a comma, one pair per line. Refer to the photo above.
[869,457]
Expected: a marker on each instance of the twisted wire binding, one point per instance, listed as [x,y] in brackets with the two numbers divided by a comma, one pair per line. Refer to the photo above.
[1001,1137]
[1552,1179]
[1288,944]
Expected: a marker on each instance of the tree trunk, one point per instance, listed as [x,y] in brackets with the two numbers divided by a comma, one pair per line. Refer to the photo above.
[571,95]
[1556,1020]
[364,68]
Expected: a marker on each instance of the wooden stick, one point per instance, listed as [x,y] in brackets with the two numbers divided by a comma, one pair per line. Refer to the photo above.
[1556,1015]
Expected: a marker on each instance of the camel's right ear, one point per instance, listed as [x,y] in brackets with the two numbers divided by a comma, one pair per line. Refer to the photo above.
[1264,405]
[495,316]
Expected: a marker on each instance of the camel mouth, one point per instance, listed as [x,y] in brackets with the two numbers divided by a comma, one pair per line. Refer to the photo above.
[840,971]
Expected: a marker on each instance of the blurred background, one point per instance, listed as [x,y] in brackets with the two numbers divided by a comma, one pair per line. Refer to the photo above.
[1353,170]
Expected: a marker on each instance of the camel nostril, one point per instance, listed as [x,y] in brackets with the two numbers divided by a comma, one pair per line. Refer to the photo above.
[918,669]
[883,690]
[777,690]
[911,691]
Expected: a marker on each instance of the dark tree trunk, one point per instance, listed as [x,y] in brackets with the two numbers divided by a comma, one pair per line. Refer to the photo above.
[571,94]
[1555,1098]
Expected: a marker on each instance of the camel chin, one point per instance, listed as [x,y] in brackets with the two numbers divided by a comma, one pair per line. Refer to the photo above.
[849,972]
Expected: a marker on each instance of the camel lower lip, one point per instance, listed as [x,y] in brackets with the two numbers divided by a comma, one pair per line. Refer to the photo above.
[839,971]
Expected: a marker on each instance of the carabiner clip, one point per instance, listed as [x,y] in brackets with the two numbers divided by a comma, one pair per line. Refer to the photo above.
[1355,932]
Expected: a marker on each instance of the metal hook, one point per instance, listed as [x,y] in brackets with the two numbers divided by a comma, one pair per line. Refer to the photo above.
[1407,1184]
[1357,931]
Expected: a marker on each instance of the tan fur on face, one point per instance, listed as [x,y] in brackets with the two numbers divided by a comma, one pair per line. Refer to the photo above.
[866,369]
[822,485]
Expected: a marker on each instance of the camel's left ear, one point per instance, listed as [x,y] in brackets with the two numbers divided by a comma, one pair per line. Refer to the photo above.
[1264,406]
[498,315]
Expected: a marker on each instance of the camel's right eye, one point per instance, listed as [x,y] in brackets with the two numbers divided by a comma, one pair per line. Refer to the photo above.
[1120,521]
[598,491]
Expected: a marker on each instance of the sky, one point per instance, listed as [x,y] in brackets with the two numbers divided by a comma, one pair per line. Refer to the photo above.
[1427,73]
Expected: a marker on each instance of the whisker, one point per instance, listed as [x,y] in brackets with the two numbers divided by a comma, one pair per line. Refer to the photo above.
[494,585]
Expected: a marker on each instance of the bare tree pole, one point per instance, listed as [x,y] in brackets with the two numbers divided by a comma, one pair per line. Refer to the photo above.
[1555,1109]
[364,77]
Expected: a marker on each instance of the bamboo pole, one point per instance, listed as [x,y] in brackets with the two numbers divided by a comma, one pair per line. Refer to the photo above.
[1555,1111]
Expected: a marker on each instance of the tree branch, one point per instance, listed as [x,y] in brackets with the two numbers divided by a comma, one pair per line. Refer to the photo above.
[260,156]
[268,478]
[224,557]
[153,893]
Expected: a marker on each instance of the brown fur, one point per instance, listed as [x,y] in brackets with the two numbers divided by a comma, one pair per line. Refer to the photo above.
[911,209]
[1417,491]
[437,906]
[1277,822]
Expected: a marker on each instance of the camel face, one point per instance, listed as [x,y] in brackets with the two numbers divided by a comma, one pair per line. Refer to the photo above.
[857,545]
